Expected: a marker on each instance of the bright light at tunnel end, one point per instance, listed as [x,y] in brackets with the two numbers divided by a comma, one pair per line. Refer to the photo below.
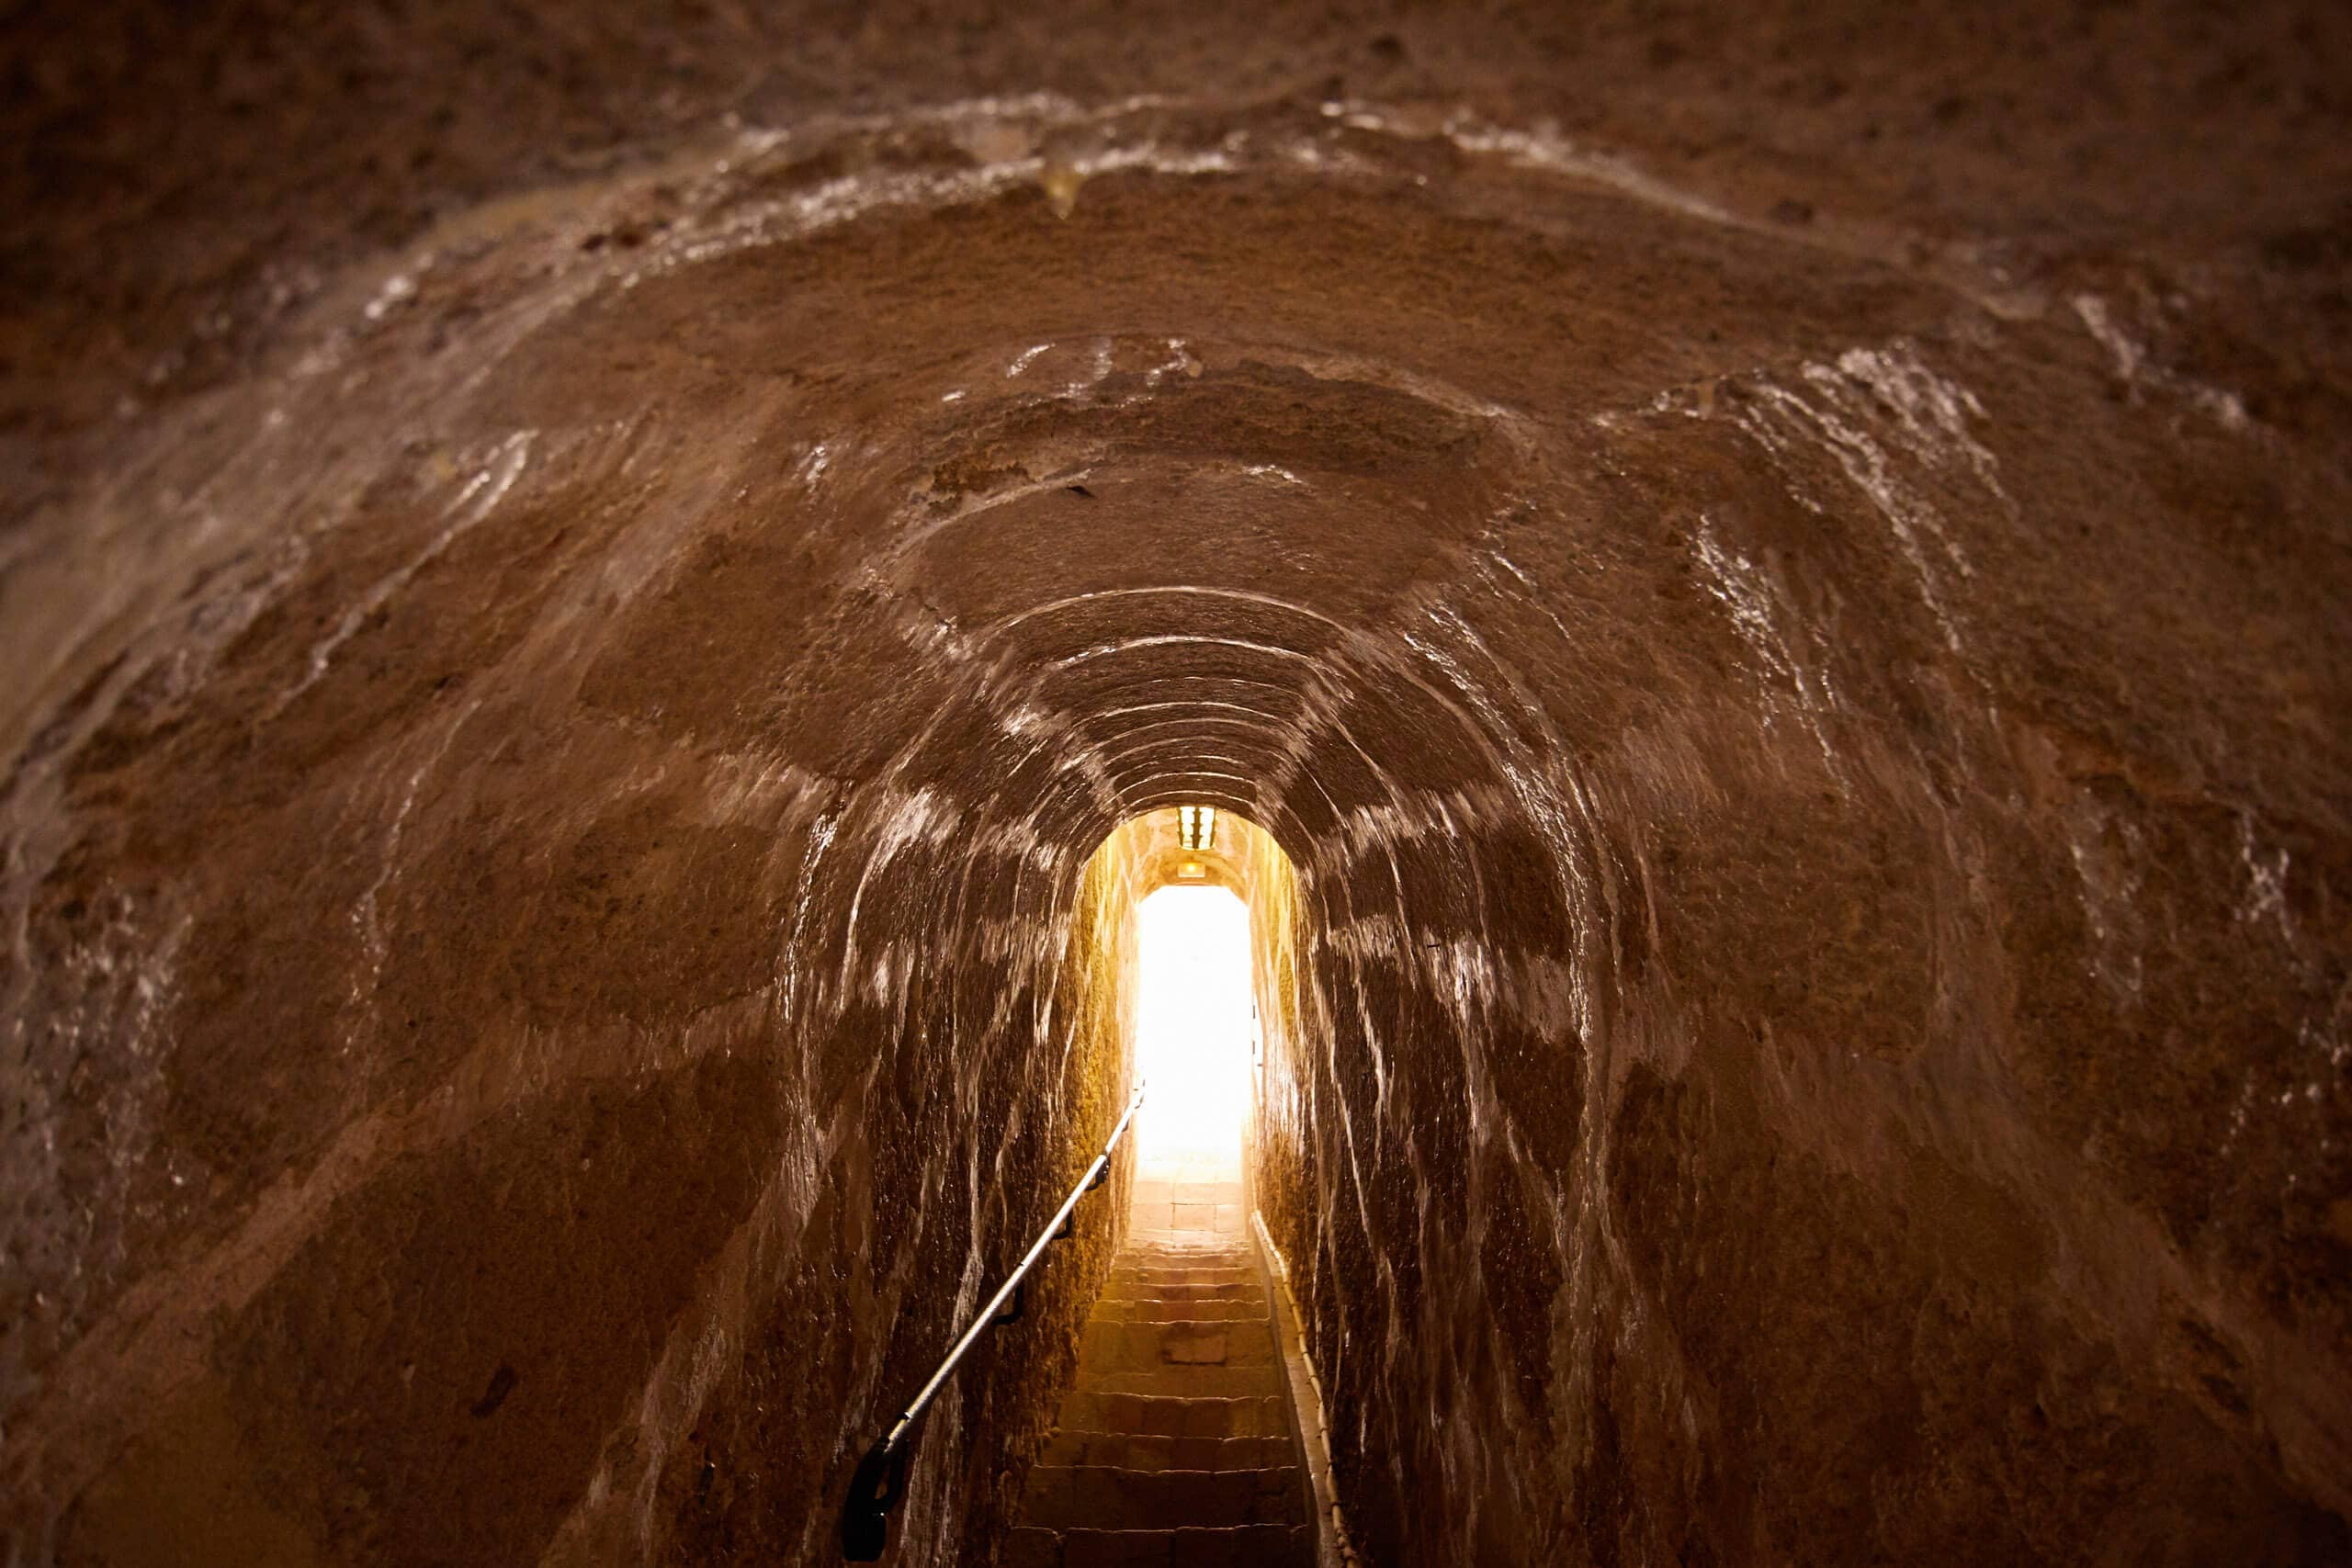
[1192,1025]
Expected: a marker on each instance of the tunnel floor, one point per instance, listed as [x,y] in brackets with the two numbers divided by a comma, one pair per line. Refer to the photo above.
[1177,1443]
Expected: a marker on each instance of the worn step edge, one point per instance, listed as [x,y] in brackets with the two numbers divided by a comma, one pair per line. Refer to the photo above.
[1163,1451]
[1240,1546]
[1192,1382]
[1175,1416]
[1071,1496]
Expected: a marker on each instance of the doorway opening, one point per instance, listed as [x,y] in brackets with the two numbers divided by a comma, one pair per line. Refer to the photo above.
[1195,1023]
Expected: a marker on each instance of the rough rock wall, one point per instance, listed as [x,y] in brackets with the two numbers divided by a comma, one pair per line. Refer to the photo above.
[1886,1101]
[763,1467]
[578,591]
[510,1057]
[456,1132]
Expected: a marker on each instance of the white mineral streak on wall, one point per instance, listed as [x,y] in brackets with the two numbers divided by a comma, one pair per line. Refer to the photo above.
[1180,359]
[474,501]
[1098,370]
[1934,413]
[1747,593]
[822,833]
[2135,369]
[748,224]
[812,466]
[1843,410]
[1534,595]
[364,915]
[1542,147]
[924,816]
[2266,895]
[2106,848]
[1369,828]
[2324,1053]
[398,290]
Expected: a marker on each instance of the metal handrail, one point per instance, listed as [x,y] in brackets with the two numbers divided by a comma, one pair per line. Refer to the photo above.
[881,1475]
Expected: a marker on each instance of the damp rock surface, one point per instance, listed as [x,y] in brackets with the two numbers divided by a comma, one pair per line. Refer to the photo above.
[585,599]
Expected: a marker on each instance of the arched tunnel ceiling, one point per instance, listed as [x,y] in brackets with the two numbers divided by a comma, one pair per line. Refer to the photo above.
[1279,380]
[1119,517]
[1073,525]
[1781,585]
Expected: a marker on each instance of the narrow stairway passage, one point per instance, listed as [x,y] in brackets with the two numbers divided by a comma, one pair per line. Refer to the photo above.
[1176,1444]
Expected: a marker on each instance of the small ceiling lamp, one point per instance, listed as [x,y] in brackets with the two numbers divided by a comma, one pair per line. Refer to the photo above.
[1195,827]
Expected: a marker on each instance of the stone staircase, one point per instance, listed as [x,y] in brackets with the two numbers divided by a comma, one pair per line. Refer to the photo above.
[1175,1448]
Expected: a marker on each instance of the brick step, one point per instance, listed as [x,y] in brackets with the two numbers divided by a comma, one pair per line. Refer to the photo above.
[1194,1208]
[1158,1309]
[1248,1297]
[1192,1382]
[1183,1243]
[1133,1452]
[1213,1281]
[1144,1237]
[1104,1496]
[1148,1191]
[1199,1308]
[1167,1258]
[1194,1274]
[1175,1416]
[1129,1264]
[1247,1546]
[1111,1348]
[1191,1259]
[1199,1247]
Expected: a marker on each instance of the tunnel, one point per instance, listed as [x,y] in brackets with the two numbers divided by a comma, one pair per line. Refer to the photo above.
[610,613]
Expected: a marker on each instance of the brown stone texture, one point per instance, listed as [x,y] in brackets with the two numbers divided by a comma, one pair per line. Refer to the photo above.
[585,590]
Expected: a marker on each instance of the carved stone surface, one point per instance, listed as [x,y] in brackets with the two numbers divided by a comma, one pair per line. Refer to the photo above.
[578,591]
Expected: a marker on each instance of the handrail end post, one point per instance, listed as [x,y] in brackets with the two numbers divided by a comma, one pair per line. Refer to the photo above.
[881,1478]
[874,1491]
